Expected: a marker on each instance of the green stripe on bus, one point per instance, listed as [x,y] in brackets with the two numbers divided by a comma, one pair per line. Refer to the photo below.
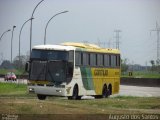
[87,78]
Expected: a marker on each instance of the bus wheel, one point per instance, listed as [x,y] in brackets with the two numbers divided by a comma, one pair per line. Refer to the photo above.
[98,96]
[109,90]
[41,97]
[104,92]
[75,94]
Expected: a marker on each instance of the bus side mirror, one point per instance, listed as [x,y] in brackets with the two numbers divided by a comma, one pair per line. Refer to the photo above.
[27,66]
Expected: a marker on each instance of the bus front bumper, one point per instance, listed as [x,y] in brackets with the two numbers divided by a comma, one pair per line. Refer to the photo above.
[43,90]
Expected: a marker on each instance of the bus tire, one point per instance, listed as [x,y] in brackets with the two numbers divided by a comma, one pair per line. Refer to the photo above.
[109,90]
[41,97]
[69,97]
[97,96]
[104,91]
[75,94]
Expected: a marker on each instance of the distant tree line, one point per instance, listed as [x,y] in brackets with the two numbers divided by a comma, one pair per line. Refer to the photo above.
[18,63]
[155,65]
[124,65]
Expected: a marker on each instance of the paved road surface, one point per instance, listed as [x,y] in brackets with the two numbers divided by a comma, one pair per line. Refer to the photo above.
[124,89]
[139,91]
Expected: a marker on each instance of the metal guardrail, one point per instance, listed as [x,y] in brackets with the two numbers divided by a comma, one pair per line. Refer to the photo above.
[148,82]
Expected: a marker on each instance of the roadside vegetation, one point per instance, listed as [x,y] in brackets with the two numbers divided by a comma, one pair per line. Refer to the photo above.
[15,99]
[58,105]
[127,69]
[141,74]
[18,65]
[16,71]
[12,89]
[138,71]
[133,74]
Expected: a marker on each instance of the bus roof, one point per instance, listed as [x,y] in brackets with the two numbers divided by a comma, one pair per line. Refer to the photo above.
[78,47]
[54,47]
[91,48]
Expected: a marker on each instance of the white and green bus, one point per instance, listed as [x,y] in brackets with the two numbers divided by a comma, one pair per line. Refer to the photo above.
[73,70]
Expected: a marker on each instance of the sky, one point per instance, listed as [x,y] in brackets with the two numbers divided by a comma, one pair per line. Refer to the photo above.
[87,20]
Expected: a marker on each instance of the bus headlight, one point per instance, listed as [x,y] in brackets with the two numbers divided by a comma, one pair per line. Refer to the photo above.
[59,91]
[31,89]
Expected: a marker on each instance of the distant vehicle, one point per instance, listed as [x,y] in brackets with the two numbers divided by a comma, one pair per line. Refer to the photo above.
[10,76]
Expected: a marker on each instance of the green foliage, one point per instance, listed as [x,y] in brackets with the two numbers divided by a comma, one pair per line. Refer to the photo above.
[12,89]
[124,66]
[155,65]
[16,71]
[58,105]
[142,74]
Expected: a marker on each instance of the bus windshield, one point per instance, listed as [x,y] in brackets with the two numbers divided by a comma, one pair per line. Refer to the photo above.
[49,55]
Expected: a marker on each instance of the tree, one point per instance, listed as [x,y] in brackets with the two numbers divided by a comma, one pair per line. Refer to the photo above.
[158,62]
[6,64]
[124,66]
[158,65]
[19,62]
[153,65]
[152,62]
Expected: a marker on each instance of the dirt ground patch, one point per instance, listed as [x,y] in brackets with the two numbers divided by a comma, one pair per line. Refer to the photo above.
[64,106]
[28,108]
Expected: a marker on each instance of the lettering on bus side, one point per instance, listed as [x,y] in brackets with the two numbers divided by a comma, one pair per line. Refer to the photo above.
[100,72]
[116,73]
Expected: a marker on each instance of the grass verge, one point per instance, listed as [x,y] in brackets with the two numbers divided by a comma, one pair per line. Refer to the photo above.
[14,90]
[14,99]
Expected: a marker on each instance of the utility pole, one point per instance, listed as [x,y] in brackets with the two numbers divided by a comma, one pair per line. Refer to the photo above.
[100,44]
[48,23]
[31,25]
[20,36]
[85,42]
[12,41]
[117,38]
[1,60]
[109,43]
[4,33]
[157,30]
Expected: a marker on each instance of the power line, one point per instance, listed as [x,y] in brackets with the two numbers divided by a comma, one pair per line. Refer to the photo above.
[110,43]
[157,30]
[99,42]
[85,42]
[117,38]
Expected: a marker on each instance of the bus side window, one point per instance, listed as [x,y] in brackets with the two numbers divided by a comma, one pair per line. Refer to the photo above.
[78,58]
[113,60]
[86,59]
[92,59]
[106,60]
[71,56]
[118,60]
[100,60]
